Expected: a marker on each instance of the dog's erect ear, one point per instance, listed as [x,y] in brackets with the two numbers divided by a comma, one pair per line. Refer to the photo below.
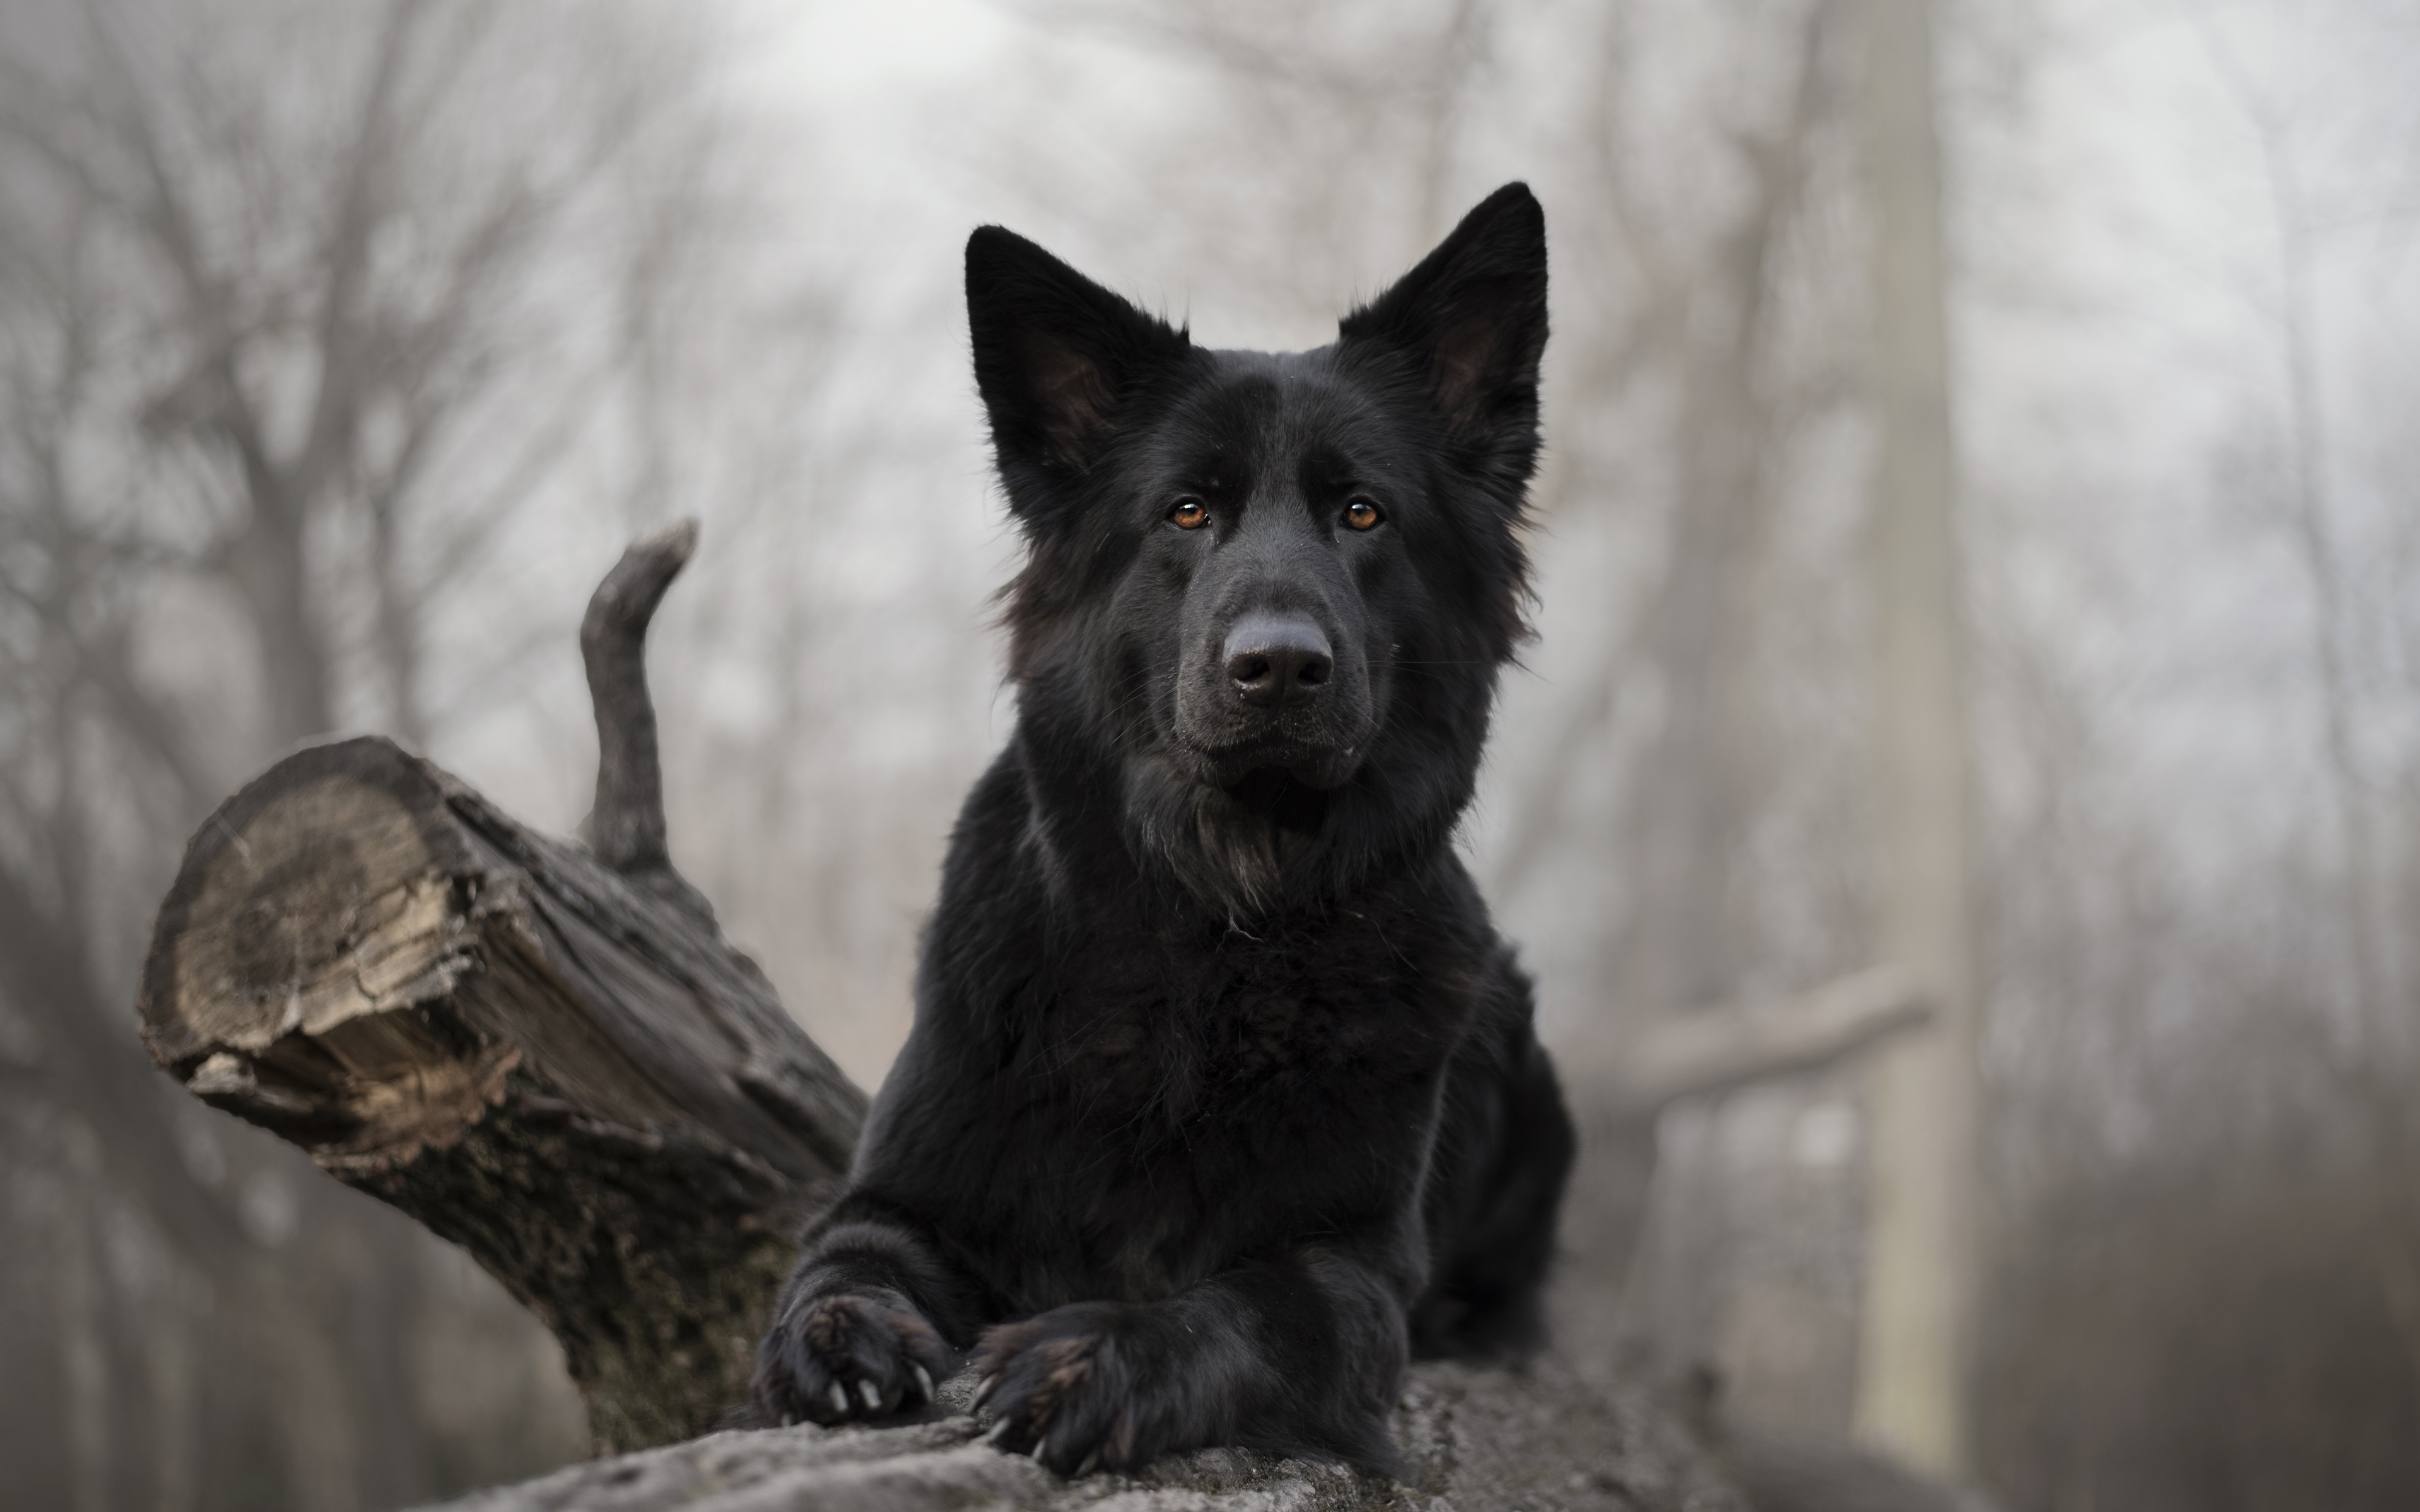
[1473,314]
[1055,353]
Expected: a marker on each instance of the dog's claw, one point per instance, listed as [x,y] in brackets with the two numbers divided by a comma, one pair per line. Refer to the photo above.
[839,1399]
[923,1382]
[873,1397]
[1040,1444]
[1086,1468]
[984,1391]
[999,1431]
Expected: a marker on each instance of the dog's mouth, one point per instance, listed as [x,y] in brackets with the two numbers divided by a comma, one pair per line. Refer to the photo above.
[1251,766]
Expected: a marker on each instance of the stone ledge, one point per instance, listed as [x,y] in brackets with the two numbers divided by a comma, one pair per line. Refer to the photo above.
[1476,1441]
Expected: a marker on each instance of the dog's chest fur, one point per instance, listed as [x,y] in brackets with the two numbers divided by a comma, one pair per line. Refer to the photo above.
[1175,1104]
[1168,1034]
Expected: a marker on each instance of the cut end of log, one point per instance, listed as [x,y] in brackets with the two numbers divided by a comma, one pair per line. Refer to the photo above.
[360,953]
[313,920]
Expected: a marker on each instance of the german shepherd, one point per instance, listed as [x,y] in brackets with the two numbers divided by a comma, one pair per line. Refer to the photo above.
[1223,1096]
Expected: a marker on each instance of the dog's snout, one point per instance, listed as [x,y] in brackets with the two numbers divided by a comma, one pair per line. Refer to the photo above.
[1278,661]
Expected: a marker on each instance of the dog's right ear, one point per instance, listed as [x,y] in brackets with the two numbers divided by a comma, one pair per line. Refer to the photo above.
[1056,356]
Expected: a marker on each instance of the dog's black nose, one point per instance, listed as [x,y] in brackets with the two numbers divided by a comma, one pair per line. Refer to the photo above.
[1275,661]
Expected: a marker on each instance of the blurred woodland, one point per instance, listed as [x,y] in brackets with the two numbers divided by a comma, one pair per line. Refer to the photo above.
[343,347]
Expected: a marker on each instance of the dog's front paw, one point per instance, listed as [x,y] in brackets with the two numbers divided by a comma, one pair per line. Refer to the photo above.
[847,1354]
[1081,1387]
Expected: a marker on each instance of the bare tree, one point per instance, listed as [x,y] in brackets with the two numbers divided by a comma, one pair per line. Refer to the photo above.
[1709,305]
[295,318]
[1914,1379]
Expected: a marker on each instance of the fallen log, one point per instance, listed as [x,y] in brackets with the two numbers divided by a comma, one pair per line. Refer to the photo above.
[550,1056]
[562,1067]
[582,1086]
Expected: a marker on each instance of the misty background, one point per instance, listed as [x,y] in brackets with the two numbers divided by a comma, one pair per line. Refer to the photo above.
[344,347]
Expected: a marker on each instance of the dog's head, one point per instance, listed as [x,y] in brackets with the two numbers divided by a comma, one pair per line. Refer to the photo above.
[1273,589]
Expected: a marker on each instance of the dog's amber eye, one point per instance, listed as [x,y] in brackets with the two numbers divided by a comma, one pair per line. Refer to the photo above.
[1362,515]
[1190,514]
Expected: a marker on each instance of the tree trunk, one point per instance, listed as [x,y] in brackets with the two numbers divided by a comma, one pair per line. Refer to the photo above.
[1912,1362]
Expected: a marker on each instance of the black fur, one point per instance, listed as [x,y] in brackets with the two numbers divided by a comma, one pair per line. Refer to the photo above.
[1223,1094]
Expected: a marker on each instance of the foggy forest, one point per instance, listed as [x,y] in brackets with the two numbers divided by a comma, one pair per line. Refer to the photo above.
[345,347]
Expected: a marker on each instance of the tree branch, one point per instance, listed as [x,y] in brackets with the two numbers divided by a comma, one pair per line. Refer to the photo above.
[627,825]
[1689,1055]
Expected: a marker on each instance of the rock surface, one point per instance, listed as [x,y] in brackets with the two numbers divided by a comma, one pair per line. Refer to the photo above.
[1476,1440]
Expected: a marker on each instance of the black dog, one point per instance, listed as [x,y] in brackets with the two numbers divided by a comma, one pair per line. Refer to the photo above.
[1223,1094]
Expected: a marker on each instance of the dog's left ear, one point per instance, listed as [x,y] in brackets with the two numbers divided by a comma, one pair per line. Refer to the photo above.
[1473,316]
[1056,355]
